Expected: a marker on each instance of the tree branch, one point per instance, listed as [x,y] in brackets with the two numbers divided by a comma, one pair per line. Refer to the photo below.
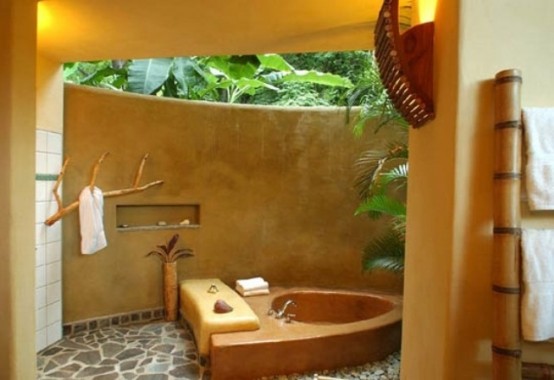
[58,182]
[62,211]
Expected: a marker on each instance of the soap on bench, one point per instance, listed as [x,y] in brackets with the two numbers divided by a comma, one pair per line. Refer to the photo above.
[221,307]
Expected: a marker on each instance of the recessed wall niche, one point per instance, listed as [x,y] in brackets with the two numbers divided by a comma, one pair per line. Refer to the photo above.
[159,216]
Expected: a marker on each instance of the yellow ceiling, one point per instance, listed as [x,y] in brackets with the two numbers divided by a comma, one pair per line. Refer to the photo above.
[79,30]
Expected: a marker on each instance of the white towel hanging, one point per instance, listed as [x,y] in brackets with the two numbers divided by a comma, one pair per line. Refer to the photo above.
[91,214]
[539,171]
[537,302]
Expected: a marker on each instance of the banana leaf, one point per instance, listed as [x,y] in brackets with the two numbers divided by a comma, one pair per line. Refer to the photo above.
[146,76]
[316,77]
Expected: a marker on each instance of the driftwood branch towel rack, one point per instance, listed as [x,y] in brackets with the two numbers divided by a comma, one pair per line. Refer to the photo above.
[135,188]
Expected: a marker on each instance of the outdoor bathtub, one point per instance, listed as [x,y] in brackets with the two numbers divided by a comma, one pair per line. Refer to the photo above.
[330,329]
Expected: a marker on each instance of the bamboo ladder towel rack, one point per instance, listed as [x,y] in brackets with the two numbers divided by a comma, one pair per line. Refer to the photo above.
[506,263]
[506,340]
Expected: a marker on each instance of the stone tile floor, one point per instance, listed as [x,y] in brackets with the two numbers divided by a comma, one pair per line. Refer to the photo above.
[159,351]
[155,351]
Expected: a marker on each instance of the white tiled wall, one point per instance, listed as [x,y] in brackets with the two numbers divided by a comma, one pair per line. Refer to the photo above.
[48,281]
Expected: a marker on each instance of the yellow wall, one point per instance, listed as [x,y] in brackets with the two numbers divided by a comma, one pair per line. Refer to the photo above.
[430,218]
[93,30]
[447,285]
[275,189]
[49,95]
[17,131]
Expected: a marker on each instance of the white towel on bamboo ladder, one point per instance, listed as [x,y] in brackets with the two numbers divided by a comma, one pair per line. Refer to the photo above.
[537,301]
[91,215]
[539,171]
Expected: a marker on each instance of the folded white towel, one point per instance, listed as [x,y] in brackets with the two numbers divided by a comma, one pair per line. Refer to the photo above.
[251,293]
[91,213]
[537,302]
[539,135]
[249,284]
[252,287]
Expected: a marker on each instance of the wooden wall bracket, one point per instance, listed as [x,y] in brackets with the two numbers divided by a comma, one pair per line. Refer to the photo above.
[62,211]
[405,64]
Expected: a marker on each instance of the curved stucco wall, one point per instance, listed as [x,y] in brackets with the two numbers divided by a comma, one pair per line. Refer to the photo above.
[274,185]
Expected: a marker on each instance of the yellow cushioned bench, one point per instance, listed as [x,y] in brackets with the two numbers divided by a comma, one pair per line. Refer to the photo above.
[197,307]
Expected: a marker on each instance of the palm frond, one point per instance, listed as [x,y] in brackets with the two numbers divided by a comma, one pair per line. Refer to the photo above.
[372,163]
[391,264]
[369,167]
[382,205]
[399,224]
[396,175]
[385,252]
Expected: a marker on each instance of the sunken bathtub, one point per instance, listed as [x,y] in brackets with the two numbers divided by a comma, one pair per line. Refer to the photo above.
[321,329]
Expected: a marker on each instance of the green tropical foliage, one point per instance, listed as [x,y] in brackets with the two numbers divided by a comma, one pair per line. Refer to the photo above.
[353,65]
[381,174]
[231,79]
[385,252]
[106,74]
[146,76]
[382,182]
[179,77]
[374,101]
[292,94]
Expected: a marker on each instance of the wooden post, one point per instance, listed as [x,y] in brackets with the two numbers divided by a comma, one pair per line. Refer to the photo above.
[506,337]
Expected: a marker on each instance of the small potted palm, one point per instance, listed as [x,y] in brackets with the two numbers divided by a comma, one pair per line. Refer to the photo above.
[168,255]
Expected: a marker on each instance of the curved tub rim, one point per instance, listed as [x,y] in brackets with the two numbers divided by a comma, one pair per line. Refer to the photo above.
[298,330]
[390,317]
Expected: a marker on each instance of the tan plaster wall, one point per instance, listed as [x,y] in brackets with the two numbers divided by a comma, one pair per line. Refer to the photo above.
[17,131]
[274,188]
[447,286]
